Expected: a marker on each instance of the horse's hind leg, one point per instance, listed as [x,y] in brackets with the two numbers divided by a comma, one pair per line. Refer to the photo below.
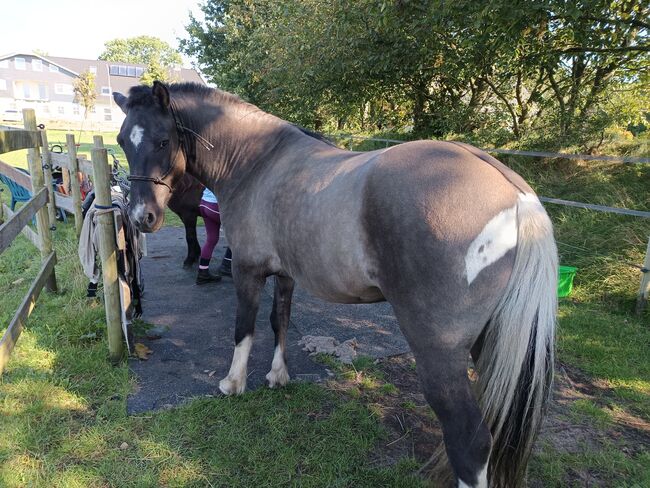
[279,375]
[443,375]
[248,288]
[441,356]
[193,247]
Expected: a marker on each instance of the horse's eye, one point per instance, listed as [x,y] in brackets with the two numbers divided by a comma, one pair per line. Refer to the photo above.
[164,143]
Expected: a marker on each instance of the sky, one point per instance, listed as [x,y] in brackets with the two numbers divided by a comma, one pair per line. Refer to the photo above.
[79,29]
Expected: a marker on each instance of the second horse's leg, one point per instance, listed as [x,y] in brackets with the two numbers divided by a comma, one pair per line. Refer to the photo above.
[193,247]
[279,375]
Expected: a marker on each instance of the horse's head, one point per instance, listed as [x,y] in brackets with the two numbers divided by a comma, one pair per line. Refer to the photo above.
[151,141]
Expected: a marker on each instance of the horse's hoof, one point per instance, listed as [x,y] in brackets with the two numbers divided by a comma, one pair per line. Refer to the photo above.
[228,386]
[277,378]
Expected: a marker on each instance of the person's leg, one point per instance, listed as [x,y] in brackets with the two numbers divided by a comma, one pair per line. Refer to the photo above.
[212,219]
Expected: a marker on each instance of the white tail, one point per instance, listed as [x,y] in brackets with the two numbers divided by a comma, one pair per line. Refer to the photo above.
[515,366]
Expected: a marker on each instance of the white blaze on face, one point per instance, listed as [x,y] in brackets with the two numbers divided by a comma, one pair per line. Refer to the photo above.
[497,237]
[136,136]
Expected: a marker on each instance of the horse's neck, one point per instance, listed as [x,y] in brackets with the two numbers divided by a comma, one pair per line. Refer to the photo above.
[243,138]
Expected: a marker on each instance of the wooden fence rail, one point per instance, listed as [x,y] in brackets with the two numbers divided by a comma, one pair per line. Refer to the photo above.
[12,140]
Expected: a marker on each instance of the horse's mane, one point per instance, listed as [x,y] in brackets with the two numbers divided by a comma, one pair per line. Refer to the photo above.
[315,135]
[142,95]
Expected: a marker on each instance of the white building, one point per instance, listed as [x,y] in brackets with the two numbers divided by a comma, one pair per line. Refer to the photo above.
[45,83]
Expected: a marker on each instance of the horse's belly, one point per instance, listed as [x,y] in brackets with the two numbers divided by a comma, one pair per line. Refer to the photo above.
[367,295]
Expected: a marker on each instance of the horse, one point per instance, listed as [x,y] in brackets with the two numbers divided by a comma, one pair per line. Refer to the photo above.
[455,241]
[184,202]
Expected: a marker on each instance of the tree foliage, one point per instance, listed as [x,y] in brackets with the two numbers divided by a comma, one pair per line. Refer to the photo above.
[85,93]
[158,55]
[545,68]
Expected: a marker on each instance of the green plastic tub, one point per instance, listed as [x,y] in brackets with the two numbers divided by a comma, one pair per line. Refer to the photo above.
[565,282]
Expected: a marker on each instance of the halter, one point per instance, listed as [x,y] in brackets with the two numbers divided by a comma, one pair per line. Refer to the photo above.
[183,144]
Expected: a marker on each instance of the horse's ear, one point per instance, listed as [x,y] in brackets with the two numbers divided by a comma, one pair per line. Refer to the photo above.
[161,93]
[120,100]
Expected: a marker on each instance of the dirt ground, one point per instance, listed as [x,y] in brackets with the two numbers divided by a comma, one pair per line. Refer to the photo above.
[413,431]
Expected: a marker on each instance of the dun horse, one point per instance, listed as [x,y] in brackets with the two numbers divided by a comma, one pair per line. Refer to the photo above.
[456,242]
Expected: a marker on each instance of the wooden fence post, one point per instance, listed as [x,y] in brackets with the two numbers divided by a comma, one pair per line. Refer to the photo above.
[644,287]
[42,219]
[108,254]
[74,183]
[49,181]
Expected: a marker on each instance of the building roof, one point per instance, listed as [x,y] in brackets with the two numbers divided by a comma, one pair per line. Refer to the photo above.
[103,77]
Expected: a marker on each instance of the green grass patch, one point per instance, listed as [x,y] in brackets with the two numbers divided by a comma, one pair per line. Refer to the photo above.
[54,136]
[587,465]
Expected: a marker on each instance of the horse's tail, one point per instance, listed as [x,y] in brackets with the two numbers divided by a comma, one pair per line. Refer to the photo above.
[515,366]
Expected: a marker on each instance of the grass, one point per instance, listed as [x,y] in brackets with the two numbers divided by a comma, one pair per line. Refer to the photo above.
[19,158]
[62,406]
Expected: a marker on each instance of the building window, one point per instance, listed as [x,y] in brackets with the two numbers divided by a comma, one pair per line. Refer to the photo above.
[19,63]
[63,89]
[114,70]
[54,68]
[42,91]
[106,90]
[61,110]
[93,69]
[131,71]
[3,84]
[75,109]
[122,70]
[139,72]
[26,92]
[108,115]
[92,110]
[37,65]
[4,63]
[46,109]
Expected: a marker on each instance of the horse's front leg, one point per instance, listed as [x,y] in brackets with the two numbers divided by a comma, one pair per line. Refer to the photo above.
[248,286]
[279,375]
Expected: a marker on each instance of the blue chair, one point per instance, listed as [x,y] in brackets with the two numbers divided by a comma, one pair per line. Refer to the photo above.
[18,193]
[21,194]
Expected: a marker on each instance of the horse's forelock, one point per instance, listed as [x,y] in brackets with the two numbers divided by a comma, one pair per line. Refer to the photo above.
[140,95]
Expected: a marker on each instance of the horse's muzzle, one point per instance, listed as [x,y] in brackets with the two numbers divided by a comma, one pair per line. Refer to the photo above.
[146,219]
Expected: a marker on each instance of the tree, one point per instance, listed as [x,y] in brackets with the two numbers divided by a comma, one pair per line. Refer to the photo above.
[85,94]
[158,55]
[141,50]
[545,68]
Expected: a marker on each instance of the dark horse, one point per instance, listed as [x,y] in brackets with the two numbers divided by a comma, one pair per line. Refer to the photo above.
[184,202]
[456,242]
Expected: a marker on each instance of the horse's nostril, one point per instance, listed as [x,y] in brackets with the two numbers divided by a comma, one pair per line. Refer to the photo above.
[150,218]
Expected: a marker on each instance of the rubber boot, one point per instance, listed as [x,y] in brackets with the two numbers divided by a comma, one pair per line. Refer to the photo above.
[205,276]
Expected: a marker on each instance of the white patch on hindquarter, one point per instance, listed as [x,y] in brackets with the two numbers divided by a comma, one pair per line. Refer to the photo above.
[497,237]
[235,382]
[136,136]
[482,480]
